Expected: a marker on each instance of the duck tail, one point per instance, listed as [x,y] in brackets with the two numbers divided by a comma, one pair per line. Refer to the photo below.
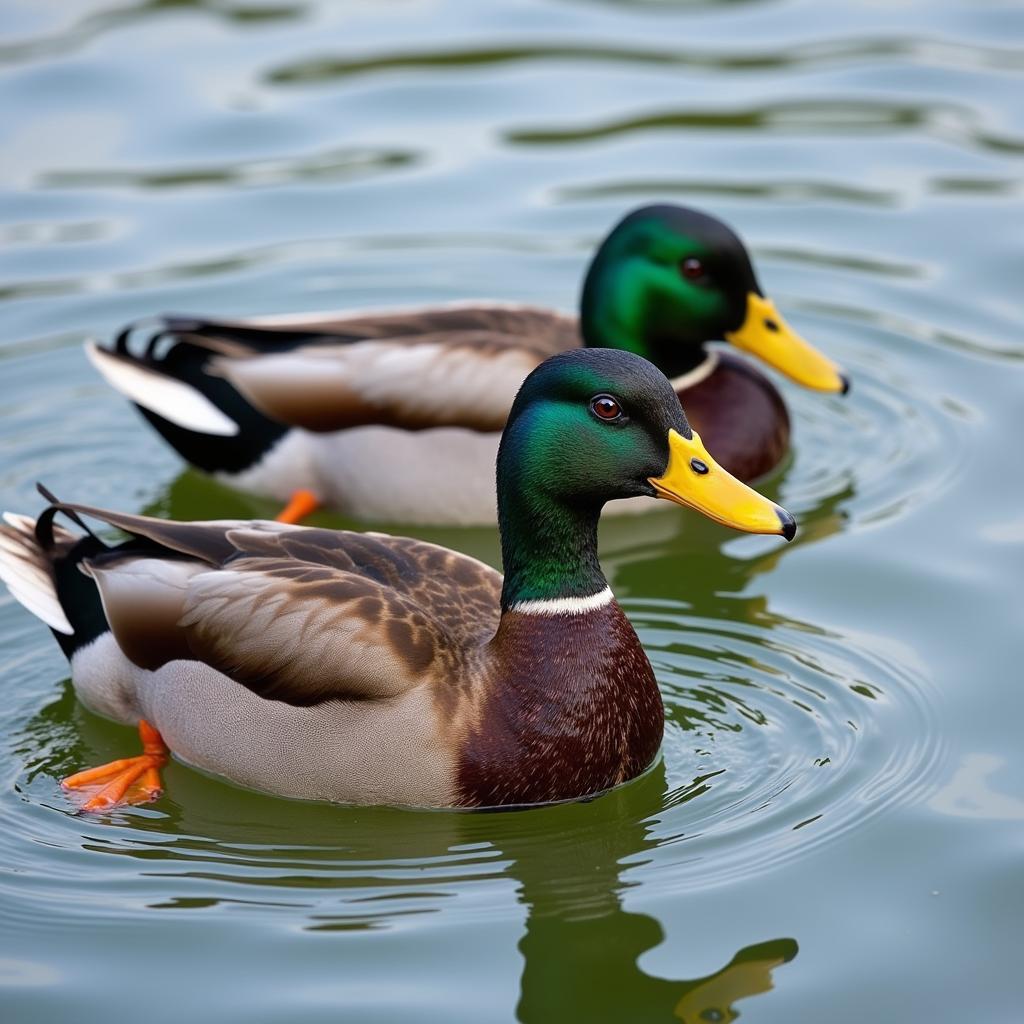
[39,563]
[163,366]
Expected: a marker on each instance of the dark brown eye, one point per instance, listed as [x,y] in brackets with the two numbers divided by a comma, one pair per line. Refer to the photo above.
[691,268]
[605,407]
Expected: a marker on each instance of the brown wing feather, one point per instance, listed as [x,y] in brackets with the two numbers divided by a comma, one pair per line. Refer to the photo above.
[296,614]
[543,329]
[206,541]
[414,369]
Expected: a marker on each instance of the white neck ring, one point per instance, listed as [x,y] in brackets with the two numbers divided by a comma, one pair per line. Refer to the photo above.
[566,605]
[699,373]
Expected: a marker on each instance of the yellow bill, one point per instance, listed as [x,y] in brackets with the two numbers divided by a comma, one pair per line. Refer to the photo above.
[692,478]
[766,335]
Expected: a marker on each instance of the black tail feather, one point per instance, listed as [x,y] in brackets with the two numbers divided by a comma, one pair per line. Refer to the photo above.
[78,594]
[76,590]
[44,524]
[31,553]
[174,349]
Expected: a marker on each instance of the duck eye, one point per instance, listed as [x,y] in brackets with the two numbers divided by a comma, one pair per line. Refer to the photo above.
[604,407]
[691,268]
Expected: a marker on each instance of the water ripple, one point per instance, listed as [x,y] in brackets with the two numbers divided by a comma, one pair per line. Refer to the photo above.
[784,191]
[321,250]
[817,53]
[92,26]
[891,445]
[837,117]
[781,737]
[808,116]
[330,166]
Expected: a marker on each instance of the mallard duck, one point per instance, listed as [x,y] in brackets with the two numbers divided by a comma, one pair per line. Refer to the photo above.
[365,668]
[395,416]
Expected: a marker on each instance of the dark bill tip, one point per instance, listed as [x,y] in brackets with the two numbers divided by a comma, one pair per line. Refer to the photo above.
[846,384]
[788,523]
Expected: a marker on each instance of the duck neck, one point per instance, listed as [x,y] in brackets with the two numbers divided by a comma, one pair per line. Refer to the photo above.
[549,553]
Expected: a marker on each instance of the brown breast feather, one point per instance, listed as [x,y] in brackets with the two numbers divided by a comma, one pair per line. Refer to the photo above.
[567,706]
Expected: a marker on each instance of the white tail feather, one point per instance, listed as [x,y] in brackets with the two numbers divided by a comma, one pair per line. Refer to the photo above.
[172,399]
[23,567]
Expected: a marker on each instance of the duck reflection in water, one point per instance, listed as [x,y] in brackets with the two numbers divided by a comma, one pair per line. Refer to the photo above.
[582,948]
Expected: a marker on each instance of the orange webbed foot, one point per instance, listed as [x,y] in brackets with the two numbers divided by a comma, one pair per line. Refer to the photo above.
[130,780]
[301,504]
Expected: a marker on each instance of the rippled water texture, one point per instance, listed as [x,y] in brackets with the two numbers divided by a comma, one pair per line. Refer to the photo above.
[836,829]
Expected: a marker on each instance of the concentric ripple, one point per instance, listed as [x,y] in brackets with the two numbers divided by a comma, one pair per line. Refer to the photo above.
[895,438]
[780,736]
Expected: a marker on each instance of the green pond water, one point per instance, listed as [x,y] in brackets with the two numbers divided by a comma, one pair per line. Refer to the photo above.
[835,829]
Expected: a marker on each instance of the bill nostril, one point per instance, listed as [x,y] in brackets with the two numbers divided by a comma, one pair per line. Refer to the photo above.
[771,324]
[698,467]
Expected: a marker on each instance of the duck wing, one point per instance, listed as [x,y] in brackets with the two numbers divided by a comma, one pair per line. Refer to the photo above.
[295,614]
[545,329]
[446,366]
[427,380]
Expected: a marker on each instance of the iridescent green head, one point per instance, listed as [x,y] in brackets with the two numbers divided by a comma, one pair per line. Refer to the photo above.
[589,426]
[668,279]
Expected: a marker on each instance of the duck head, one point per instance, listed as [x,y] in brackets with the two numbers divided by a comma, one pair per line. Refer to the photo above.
[592,425]
[668,279]
[589,426]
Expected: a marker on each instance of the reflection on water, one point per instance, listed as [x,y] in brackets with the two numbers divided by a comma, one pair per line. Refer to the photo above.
[971,794]
[749,973]
[788,191]
[582,949]
[944,121]
[207,847]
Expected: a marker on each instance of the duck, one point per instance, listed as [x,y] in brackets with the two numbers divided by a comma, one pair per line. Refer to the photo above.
[365,668]
[395,416]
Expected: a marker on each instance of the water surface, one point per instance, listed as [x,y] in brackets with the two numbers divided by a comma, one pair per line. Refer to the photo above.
[835,830]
